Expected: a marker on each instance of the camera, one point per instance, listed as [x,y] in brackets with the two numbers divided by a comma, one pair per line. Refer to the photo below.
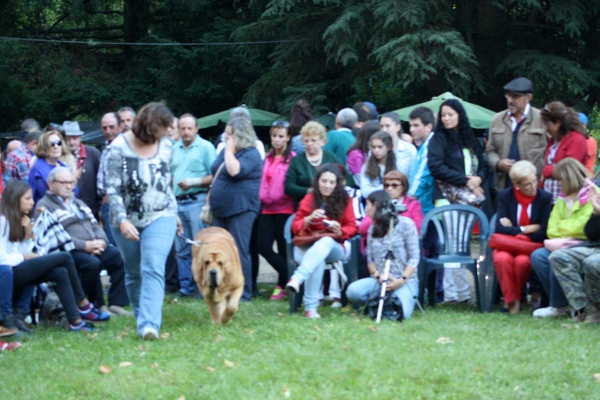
[394,207]
[327,223]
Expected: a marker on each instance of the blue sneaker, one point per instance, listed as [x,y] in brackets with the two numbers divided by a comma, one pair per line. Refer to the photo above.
[82,327]
[92,314]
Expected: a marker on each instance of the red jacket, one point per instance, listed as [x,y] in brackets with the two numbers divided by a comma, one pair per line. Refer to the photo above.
[305,208]
[573,145]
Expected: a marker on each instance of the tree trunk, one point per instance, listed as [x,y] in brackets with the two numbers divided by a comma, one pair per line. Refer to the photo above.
[136,22]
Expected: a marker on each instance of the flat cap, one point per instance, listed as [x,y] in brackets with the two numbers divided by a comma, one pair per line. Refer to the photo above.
[519,85]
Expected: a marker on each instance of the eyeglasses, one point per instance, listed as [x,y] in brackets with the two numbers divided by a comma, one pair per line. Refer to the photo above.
[392,185]
[283,124]
[66,183]
[531,183]
[56,143]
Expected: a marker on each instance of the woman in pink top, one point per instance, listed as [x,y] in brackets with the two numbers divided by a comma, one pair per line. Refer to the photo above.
[357,153]
[395,184]
[276,205]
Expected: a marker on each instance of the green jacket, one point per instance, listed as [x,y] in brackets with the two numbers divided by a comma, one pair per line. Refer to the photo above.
[563,224]
[300,175]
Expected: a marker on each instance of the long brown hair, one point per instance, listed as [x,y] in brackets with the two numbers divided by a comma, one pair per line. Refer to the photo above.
[568,118]
[336,203]
[372,169]
[10,208]
[151,122]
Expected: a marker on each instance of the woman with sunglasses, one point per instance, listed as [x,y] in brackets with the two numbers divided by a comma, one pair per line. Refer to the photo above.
[67,158]
[276,205]
[49,151]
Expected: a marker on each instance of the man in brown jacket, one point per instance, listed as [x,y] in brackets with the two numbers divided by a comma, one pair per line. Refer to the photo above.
[517,133]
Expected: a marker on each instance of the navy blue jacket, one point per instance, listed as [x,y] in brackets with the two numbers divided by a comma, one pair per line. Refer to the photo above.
[229,195]
[540,213]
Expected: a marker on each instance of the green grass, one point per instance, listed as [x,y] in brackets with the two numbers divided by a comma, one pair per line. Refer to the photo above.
[341,356]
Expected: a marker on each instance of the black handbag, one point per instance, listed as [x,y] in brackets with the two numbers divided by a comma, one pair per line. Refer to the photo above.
[392,307]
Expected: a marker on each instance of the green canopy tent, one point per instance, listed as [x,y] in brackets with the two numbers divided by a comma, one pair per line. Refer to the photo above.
[259,118]
[479,117]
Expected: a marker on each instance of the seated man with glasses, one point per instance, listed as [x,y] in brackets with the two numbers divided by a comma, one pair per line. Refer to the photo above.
[92,253]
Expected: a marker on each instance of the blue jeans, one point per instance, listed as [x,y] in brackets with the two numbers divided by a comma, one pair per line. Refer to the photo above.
[541,266]
[189,213]
[104,214]
[360,291]
[145,269]
[22,297]
[312,260]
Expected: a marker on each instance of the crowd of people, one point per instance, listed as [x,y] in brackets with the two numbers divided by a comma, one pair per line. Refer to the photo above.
[69,211]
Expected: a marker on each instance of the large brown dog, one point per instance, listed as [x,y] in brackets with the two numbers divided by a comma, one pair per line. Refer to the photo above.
[217,270]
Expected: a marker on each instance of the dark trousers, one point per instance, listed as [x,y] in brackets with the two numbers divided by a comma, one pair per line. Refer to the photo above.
[271,230]
[254,255]
[58,268]
[172,272]
[89,267]
[240,227]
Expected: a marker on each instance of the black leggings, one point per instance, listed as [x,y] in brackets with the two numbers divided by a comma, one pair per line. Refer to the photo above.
[271,230]
[58,268]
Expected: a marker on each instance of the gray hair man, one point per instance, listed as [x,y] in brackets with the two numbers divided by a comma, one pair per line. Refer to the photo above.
[92,252]
[127,115]
[193,157]
[341,138]
[517,133]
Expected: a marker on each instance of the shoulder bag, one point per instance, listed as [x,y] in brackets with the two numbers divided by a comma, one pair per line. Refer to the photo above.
[206,214]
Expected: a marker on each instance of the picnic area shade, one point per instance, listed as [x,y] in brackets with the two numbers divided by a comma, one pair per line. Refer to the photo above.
[479,117]
[259,118]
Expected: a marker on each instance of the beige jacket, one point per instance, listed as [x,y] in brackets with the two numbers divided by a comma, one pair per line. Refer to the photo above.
[532,138]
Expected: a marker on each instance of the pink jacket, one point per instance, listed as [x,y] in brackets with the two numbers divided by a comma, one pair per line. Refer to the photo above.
[271,192]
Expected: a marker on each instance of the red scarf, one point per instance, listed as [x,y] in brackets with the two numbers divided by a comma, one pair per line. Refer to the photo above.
[524,201]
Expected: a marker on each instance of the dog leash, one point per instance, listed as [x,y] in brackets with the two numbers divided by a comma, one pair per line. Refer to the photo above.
[194,242]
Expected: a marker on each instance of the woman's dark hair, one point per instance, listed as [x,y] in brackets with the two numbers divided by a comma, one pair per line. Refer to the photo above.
[151,122]
[568,118]
[301,114]
[372,168]
[336,203]
[381,221]
[287,153]
[10,208]
[363,138]
[466,137]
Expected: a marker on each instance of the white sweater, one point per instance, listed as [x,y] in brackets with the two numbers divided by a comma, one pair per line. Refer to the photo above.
[11,253]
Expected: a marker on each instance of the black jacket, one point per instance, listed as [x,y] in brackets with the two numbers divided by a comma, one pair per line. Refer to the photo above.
[592,231]
[88,183]
[540,213]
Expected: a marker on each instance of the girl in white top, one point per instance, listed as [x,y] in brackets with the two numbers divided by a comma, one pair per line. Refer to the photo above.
[381,160]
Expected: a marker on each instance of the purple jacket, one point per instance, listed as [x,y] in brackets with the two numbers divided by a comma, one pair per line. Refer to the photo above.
[271,193]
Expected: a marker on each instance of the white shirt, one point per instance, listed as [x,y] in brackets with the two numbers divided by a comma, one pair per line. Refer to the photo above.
[11,253]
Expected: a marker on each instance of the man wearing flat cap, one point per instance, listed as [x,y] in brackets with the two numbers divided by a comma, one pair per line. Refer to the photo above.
[517,133]
[88,162]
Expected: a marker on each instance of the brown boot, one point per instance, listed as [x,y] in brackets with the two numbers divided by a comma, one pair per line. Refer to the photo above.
[4,332]
[592,314]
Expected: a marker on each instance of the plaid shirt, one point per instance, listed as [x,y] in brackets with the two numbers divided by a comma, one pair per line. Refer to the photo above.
[17,163]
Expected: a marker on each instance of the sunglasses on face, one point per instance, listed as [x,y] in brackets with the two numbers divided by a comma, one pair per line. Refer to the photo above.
[392,185]
[56,143]
[283,124]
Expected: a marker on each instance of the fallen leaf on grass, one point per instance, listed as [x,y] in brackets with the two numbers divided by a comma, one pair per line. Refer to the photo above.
[173,301]
[249,331]
[346,347]
[286,391]
[259,314]
[155,365]
[181,398]
[478,369]
[443,340]
[142,348]
[105,370]
[218,338]
[597,377]
[315,338]
[372,328]
[228,364]
[353,315]
[125,364]
[92,336]
[279,314]
[346,309]
[61,349]
[124,334]
[209,369]
[566,326]
[165,335]
[118,337]
[318,329]
[127,329]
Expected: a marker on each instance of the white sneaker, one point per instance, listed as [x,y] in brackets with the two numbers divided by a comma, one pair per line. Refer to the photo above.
[551,312]
[149,333]
[336,304]
[313,314]
[293,285]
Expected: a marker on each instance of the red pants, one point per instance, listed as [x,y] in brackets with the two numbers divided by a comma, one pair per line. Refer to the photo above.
[512,272]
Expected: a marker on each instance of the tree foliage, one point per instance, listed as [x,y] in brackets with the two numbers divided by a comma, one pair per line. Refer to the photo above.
[330,52]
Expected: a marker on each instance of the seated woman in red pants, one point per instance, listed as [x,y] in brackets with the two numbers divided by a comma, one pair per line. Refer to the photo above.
[523,209]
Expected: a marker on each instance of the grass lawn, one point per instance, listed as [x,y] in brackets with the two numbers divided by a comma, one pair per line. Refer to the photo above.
[267,354]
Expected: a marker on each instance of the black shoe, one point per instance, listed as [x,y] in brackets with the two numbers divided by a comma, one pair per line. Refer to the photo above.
[20,316]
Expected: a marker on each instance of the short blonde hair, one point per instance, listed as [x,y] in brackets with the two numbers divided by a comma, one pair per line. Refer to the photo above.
[521,170]
[313,128]
[43,147]
[572,174]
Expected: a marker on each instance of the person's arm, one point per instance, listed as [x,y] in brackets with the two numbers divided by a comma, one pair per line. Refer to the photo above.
[415,213]
[544,214]
[114,183]
[250,164]
[503,211]
[492,150]
[232,164]
[305,208]
[7,258]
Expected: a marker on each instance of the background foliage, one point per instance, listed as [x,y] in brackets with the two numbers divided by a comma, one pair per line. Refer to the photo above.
[392,52]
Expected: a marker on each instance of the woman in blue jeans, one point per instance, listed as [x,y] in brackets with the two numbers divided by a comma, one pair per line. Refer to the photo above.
[327,208]
[143,211]
[402,279]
